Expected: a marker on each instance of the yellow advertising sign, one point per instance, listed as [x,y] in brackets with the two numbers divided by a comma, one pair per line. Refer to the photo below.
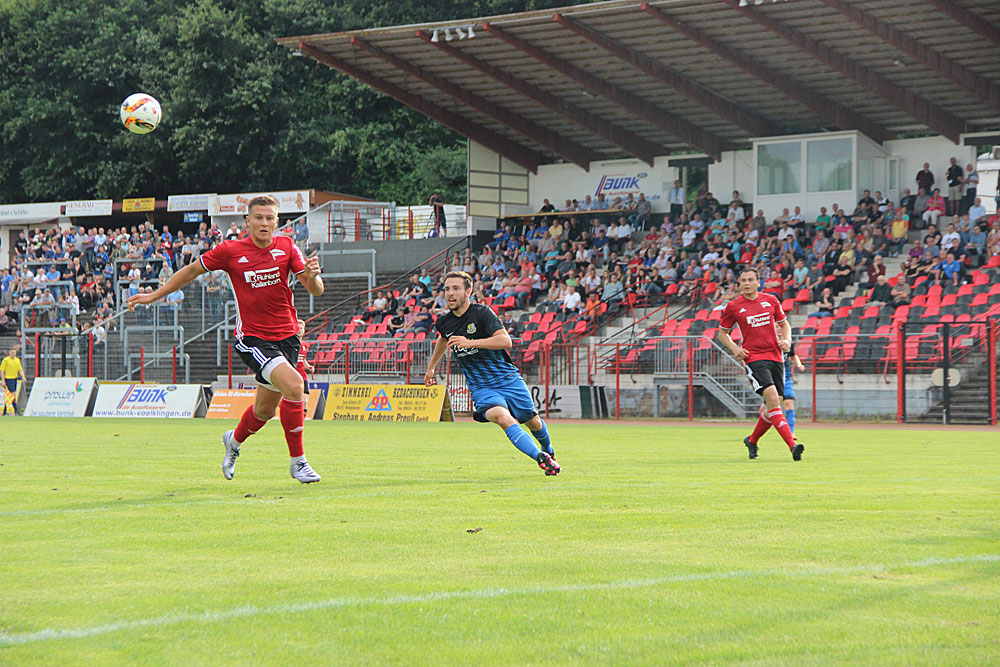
[387,403]
[138,205]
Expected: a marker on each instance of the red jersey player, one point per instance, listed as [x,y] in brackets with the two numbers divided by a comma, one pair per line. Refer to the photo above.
[766,337]
[259,267]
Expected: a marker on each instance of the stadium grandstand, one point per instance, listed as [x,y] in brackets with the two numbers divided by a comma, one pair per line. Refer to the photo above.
[626,161]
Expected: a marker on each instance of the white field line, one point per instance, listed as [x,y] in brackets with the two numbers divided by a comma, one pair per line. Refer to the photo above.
[487,593]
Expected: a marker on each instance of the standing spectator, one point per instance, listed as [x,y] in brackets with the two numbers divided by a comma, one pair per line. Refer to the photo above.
[920,203]
[971,184]
[925,178]
[955,178]
[437,202]
[675,197]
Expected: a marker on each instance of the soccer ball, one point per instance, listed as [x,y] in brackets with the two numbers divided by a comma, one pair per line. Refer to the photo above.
[140,113]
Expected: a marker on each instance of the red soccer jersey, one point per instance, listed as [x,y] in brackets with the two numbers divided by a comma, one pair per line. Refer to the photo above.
[756,320]
[260,278]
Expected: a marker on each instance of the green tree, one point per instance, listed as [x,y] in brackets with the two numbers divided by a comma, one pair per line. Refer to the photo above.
[240,113]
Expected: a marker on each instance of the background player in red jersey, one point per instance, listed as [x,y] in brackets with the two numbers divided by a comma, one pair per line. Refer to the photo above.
[303,367]
[766,337]
[259,268]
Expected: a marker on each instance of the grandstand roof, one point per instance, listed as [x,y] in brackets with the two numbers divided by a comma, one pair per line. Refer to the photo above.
[626,78]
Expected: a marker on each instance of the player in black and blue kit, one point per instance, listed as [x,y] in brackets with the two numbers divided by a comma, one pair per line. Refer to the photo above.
[499,394]
[791,359]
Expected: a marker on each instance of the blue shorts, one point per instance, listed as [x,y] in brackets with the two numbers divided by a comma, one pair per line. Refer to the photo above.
[513,395]
[789,383]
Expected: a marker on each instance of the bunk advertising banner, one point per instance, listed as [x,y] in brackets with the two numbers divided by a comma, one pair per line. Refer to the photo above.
[232,403]
[388,403]
[60,397]
[150,400]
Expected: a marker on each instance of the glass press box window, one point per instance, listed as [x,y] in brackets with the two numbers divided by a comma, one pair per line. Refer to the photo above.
[779,168]
[828,165]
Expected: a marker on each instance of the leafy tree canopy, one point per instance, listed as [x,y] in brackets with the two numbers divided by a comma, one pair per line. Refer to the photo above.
[240,113]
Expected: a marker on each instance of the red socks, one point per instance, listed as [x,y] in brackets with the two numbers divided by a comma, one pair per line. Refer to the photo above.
[249,424]
[761,428]
[777,417]
[292,414]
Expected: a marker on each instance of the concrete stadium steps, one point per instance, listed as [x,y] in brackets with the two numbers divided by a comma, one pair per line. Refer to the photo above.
[970,400]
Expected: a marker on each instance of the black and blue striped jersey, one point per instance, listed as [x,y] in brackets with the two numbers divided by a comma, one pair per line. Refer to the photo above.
[482,368]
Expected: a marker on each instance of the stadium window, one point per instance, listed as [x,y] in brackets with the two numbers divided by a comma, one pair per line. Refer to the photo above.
[828,165]
[864,173]
[779,168]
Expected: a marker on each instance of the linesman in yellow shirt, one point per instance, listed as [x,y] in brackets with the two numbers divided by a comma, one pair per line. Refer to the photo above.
[11,370]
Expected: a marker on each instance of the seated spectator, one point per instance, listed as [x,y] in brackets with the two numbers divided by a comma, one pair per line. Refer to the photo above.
[875,270]
[398,322]
[976,247]
[570,299]
[825,303]
[935,208]
[522,290]
[898,232]
[947,270]
[422,321]
[950,233]
[592,309]
[900,294]
[510,324]
[881,293]
[643,209]
[977,212]
[993,238]
[842,274]
[546,207]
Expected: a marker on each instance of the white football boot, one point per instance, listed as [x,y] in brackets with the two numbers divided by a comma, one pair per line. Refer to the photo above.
[301,471]
[232,451]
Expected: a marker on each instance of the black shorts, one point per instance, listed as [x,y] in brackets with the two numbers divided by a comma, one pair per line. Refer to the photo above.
[765,374]
[259,354]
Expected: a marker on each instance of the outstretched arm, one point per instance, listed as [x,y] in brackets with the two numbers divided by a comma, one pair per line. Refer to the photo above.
[176,282]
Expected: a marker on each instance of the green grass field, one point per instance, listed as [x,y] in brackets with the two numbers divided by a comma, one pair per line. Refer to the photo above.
[120,542]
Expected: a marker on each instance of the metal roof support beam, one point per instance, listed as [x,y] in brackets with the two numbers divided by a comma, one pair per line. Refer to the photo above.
[834,112]
[514,152]
[721,106]
[567,149]
[702,140]
[936,118]
[963,16]
[627,141]
[953,71]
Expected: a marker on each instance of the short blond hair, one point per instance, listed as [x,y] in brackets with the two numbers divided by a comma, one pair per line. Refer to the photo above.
[262,200]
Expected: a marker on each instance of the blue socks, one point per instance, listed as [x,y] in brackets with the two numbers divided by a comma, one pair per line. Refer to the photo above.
[790,417]
[520,439]
[542,436]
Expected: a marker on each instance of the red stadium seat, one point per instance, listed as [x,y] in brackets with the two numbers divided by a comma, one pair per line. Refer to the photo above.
[871,311]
